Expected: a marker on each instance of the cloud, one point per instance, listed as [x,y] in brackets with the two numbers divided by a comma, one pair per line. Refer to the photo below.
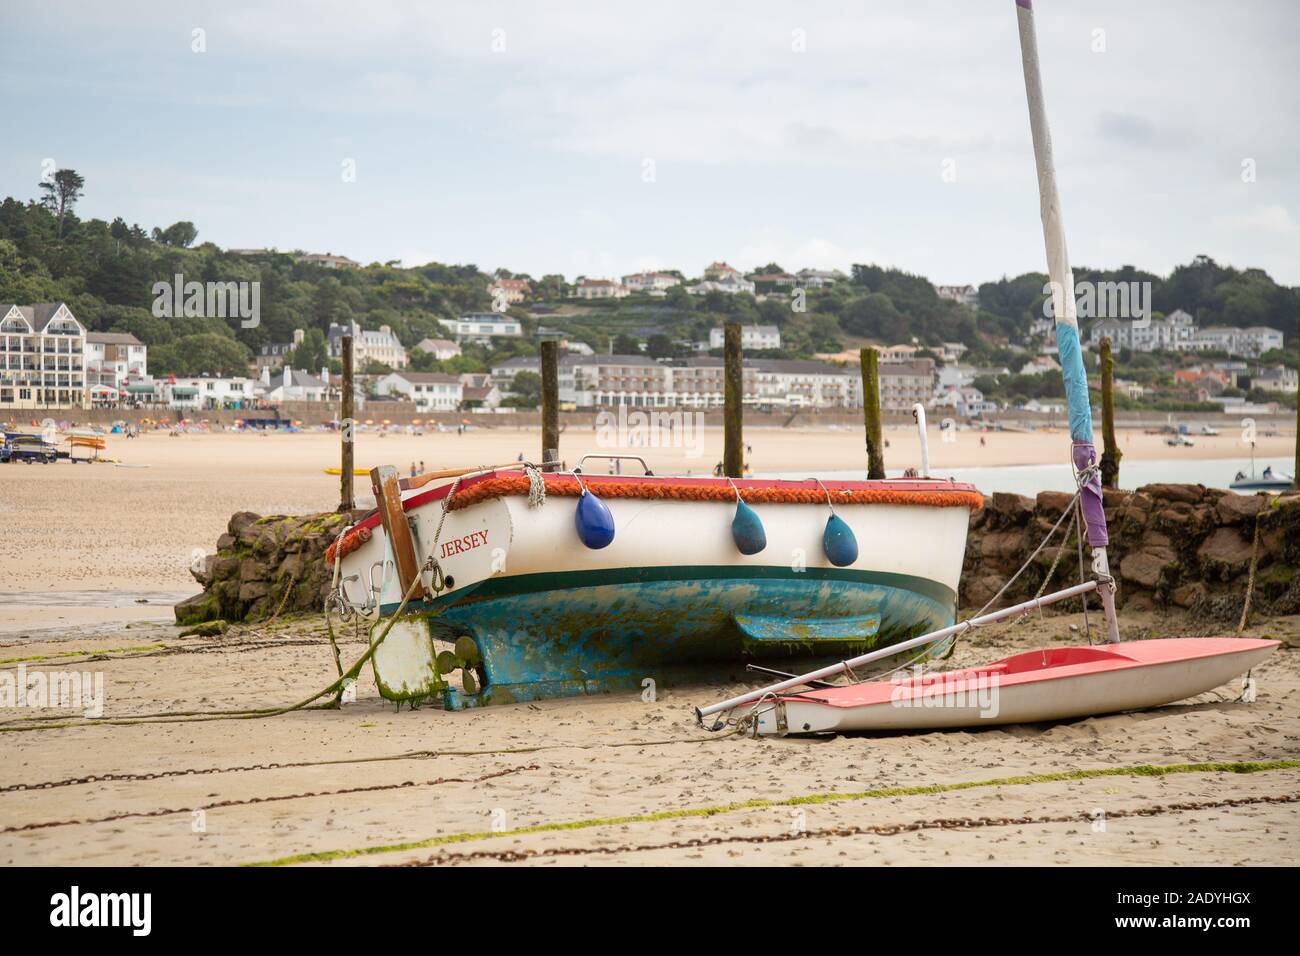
[1273,219]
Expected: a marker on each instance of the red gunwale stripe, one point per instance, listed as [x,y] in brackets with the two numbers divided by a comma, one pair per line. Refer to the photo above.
[919,486]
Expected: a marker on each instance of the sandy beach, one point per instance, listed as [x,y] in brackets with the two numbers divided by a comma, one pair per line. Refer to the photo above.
[91,558]
[88,528]
[619,780]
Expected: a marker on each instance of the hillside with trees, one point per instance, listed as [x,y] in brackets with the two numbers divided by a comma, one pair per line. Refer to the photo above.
[106,272]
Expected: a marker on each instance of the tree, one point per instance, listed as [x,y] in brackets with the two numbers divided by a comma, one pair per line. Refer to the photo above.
[624,344]
[527,389]
[178,234]
[660,346]
[311,353]
[205,353]
[62,190]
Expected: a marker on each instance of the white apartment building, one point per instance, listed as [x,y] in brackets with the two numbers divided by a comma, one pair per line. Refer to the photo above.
[430,391]
[599,289]
[903,384]
[111,359]
[483,326]
[751,337]
[1252,342]
[42,357]
[598,381]
[651,282]
[1174,332]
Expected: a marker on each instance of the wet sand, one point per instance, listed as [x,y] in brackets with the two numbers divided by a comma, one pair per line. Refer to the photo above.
[600,770]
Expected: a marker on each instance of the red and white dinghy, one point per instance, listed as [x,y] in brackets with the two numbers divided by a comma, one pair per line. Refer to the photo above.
[1050,684]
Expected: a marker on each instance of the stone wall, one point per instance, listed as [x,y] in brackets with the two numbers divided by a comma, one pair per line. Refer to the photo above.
[264,566]
[1183,545]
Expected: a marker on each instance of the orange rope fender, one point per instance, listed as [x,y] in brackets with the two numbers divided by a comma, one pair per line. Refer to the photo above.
[569,487]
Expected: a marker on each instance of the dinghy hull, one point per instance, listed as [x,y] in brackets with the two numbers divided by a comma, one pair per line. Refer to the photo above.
[671,593]
[1037,686]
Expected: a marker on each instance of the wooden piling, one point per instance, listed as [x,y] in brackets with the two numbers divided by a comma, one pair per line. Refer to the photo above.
[871,413]
[1111,453]
[733,441]
[347,431]
[550,401]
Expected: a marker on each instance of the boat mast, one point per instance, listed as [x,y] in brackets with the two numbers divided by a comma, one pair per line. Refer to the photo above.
[1083,453]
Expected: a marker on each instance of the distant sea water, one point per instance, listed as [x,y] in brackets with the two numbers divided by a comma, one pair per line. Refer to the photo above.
[1031,479]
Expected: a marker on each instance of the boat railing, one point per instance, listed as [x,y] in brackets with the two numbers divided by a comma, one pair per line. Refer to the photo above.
[577,469]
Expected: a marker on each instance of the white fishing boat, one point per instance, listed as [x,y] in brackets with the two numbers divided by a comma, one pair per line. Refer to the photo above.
[569,583]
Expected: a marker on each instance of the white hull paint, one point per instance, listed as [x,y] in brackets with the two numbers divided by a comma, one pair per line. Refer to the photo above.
[514,540]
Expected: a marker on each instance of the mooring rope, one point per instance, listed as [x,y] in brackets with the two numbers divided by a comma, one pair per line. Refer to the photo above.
[198,716]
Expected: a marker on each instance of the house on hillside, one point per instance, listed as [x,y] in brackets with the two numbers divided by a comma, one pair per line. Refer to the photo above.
[293,385]
[510,291]
[272,354]
[651,282]
[717,271]
[599,289]
[441,349]
[733,283]
[965,294]
[430,391]
[483,327]
[368,345]
[329,261]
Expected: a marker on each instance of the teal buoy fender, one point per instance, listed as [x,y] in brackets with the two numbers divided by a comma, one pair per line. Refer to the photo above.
[594,522]
[838,542]
[747,530]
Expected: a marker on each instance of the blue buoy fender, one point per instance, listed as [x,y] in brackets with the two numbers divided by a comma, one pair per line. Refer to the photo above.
[838,542]
[747,530]
[594,522]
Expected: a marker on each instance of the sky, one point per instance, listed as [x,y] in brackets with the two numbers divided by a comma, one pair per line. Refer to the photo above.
[601,138]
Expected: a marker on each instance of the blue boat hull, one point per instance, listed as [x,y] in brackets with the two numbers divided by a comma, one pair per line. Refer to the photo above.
[548,635]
